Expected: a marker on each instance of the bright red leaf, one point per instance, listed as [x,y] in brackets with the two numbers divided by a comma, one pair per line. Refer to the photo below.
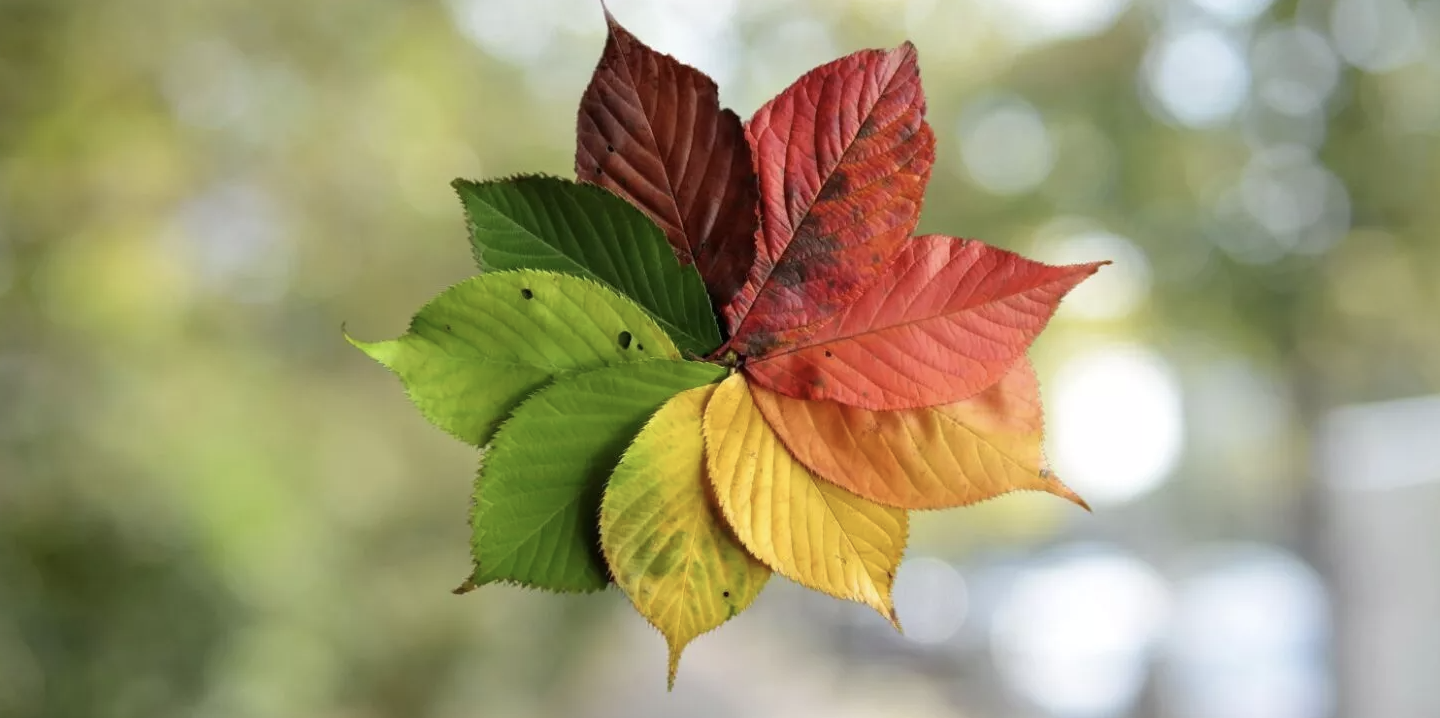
[947,320]
[842,156]
[652,130]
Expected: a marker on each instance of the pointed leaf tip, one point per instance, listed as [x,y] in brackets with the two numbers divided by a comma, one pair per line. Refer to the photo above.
[810,531]
[927,458]
[465,586]
[946,320]
[480,347]
[1058,488]
[666,547]
[383,352]
[651,130]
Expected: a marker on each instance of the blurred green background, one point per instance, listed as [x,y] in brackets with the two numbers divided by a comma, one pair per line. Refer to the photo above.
[211,506]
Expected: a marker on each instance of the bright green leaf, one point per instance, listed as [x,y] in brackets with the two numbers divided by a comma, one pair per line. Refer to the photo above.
[537,497]
[549,223]
[663,540]
[483,345]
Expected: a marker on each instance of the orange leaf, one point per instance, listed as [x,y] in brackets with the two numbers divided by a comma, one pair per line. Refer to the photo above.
[929,458]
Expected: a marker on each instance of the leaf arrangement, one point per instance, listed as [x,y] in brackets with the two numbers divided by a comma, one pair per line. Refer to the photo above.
[721,353]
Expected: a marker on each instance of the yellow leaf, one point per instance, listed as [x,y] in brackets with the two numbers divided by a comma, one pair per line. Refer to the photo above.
[810,531]
[666,546]
[929,458]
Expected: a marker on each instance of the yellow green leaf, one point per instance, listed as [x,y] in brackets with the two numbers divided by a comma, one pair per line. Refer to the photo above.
[476,351]
[666,546]
[929,458]
[809,531]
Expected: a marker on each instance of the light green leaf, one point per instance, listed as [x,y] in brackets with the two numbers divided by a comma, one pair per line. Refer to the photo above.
[537,497]
[483,345]
[664,542]
[533,222]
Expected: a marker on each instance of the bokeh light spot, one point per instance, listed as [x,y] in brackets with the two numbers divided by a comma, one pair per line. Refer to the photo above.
[1295,69]
[1234,11]
[1005,145]
[1375,35]
[1050,20]
[1117,423]
[1199,76]
[1116,290]
[1075,634]
[930,599]
[1250,627]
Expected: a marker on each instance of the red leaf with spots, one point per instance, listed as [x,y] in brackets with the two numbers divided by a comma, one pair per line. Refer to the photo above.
[946,321]
[652,130]
[842,156]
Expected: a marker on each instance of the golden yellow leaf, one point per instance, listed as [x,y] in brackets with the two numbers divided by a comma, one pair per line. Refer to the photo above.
[810,531]
[929,458]
[664,541]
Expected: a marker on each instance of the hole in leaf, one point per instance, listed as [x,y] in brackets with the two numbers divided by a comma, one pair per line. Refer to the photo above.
[526,293]
[640,347]
[726,594]
[625,340]
[609,148]
[828,354]
[599,171]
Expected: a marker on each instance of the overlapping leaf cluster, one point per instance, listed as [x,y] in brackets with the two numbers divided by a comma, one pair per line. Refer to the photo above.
[861,371]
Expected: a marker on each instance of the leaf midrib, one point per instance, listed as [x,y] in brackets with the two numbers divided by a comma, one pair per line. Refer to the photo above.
[939,316]
[815,199]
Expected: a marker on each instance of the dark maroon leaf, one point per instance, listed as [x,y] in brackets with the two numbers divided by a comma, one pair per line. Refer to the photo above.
[652,130]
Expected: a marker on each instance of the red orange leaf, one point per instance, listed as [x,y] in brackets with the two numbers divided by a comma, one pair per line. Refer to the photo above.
[842,156]
[651,130]
[946,321]
[930,458]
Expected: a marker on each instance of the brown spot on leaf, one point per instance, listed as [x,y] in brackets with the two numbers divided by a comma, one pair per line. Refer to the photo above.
[837,186]
[808,243]
[789,274]
[759,344]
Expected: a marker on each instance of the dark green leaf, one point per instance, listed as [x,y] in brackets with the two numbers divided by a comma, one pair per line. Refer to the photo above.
[537,498]
[554,224]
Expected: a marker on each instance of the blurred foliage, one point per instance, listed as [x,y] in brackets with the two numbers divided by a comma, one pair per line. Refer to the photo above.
[210,505]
